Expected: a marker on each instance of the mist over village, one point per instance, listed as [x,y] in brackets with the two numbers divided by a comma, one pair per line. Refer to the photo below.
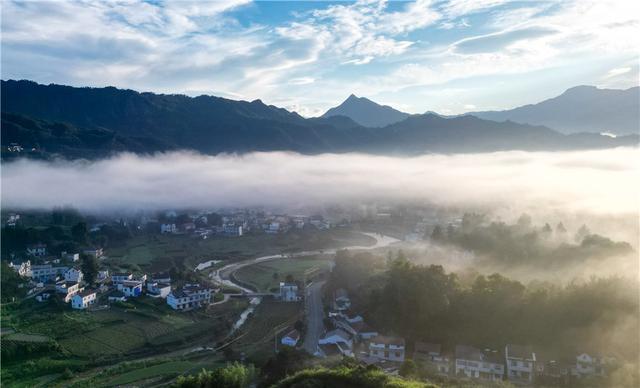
[323,193]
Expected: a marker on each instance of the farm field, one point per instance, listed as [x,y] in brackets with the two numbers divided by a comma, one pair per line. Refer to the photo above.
[77,340]
[171,368]
[271,317]
[267,275]
[159,252]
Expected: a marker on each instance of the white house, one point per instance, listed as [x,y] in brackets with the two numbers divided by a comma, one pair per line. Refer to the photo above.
[69,289]
[588,366]
[158,290]
[475,363]
[120,277]
[37,250]
[83,299]
[431,356]
[291,339]
[161,277]
[94,252]
[190,297]
[103,274]
[232,230]
[168,228]
[289,292]
[23,269]
[73,275]
[46,272]
[131,288]
[341,339]
[520,361]
[387,348]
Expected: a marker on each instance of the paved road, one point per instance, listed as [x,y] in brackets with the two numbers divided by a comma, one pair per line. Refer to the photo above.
[314,314]
[222,275]
[313,299]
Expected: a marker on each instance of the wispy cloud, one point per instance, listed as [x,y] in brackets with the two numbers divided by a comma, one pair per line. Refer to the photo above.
[378,49]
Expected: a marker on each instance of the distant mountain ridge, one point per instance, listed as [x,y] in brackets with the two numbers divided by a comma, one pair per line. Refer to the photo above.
[366,112]
[580,109]
[94,122]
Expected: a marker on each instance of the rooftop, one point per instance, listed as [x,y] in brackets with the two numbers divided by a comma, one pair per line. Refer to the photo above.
[293,334]
[382,339]
[86,293]
[519,351]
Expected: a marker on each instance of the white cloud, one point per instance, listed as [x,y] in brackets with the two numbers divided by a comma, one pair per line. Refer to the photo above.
[456,8]
[617,71]
[591,181]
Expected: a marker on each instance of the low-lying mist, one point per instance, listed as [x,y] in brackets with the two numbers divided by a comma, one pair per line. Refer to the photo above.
[598,182]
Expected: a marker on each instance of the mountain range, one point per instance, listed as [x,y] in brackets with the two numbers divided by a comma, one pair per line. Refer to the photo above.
[579,109]
[55,120]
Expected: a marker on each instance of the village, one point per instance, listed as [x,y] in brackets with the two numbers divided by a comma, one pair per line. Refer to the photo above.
[332,328]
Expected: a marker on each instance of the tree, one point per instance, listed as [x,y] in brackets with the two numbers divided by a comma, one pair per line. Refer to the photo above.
[582,233]
[275,276]
[289,278]
[408,368]
[79,232]
[524,221]
[9,283]
[299,325]
[89,268]
[437,234]
[234,375]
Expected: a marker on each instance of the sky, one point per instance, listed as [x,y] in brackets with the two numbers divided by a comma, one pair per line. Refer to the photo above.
[448,56]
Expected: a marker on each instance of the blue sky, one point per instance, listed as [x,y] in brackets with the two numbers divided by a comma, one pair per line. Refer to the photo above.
[445,56]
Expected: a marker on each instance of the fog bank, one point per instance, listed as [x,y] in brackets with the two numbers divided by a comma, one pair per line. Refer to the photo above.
[603,181]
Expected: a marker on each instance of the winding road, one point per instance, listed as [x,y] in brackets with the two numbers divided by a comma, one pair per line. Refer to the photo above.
[313,298]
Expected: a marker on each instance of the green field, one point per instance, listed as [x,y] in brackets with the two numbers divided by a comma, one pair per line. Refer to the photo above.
[80,340]
[256,338]
[262,275]
[167,368]
[157,252]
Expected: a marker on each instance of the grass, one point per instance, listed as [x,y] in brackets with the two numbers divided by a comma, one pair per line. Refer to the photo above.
[26,337]
[167,368]
[157,252]
[261,275]
[258,333]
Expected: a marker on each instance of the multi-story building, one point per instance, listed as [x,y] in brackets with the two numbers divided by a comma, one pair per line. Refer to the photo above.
[131,288]
[23,269]
[520,362]
[120,277]
[73,275]
[83,299]
[588,366]
[480,364]
[68,289]
[387,348]
[191,296]
[37,250]
[289,292]
[47,272]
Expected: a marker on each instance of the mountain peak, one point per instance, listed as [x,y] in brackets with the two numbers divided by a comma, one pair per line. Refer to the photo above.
[366,112]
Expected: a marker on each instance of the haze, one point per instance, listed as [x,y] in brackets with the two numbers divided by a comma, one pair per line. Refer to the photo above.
[600,182]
